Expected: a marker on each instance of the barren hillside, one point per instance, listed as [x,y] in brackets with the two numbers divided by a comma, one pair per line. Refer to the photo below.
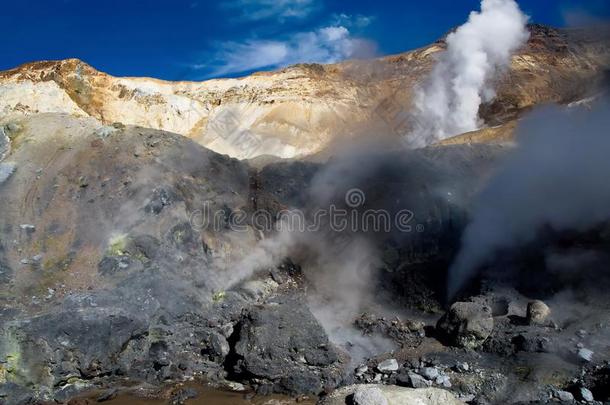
[300,110]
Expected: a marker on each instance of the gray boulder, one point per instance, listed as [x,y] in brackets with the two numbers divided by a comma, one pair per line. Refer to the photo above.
[430,373]
[369,396]
[282,344]
[586,394]
[466,324]
[443,380]
[564,396]
[417,381]
[392,394]
[388,366]
[537,312]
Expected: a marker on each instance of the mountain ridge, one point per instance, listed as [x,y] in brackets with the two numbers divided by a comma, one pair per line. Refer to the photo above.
[302,109]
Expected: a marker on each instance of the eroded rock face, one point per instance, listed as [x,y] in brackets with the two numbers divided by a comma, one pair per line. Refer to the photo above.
[110,239]
[115,283]
[149,330]
[466,324]
[282,344]
[302,109]
[103,275]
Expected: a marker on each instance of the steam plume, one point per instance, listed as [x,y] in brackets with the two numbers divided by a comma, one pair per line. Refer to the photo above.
[267,253]
[340,265]
[448,102]
[556,177]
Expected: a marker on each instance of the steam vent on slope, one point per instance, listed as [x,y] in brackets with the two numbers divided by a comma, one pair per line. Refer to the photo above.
[431,227]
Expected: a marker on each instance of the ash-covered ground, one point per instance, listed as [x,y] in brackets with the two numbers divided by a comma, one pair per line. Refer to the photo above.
[134,260]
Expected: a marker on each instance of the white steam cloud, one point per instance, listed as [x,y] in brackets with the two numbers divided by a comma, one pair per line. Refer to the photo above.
[557,177]
[448,102]
[268,253]
[342,275]
[342,287]
[340,269]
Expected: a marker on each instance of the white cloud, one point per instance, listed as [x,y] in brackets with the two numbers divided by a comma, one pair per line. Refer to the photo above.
[356,21]
[281,10]
[254,54]
[325,45]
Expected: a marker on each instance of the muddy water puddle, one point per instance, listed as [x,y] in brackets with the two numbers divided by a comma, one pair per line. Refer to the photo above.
[206,395]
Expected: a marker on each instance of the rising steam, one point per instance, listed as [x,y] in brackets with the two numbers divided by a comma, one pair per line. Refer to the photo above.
[342,276]
[556,177]
[448,102]
[339,265]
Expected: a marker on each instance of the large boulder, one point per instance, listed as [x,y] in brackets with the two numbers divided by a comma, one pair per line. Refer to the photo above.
[282,344]
[369,396]
[537,312]
[104,270]
[466,324]
[390,395]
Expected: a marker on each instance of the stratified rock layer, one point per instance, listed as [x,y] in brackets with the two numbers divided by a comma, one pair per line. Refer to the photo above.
[303,109]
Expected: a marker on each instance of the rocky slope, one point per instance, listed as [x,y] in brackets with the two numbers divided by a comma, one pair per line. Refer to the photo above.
[107,278]
[302,109]
[112,276]
[109,281]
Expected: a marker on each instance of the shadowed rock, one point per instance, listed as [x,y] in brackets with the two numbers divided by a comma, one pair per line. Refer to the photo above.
[282,343]
[466,324]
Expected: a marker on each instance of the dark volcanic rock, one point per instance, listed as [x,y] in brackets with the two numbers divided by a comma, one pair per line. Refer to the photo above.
[537,312]
[184,238]
[285,182]
[112,265]
[67,345]
[161,198]
[466,324]
[124,284]
[141,330]
[281,342]
[598,381]
[407,333]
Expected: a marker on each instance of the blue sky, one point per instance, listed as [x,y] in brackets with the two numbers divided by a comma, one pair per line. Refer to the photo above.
[196,39]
